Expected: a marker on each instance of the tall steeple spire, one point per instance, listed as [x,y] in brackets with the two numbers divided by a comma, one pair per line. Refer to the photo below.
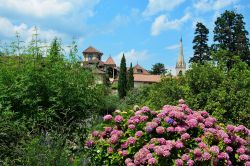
[180,64]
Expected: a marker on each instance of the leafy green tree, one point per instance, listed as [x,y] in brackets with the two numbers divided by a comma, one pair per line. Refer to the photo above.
[130,78]
[55,51]
[230,34]
[158,68]
[122,81]
[201,49]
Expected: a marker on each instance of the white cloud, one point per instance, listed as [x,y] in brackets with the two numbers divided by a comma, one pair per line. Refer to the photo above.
[38,8]
[156,6]
[132,56]
[162,23]
[209,5]
[173,47]
[8,30]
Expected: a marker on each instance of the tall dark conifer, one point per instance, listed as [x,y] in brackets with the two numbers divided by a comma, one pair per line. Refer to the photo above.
[201,49]
[130,78]
[122,82]
[230,34]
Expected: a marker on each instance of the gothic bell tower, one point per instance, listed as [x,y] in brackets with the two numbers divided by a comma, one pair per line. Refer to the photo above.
[180,67]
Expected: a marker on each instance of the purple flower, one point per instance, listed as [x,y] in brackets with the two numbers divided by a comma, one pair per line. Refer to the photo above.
[206,156]
[223,155]
[197,139]
[149,156]
[118,118]
[108,129]
[89,143]
[160,130]
[227,141]
[215,149]
[152,161]
[138,134]
[170,121]
[143,118]
[248,163]
[185,136]
[179,162]
[107,117]
[229,149]
[230,128]
[149,129]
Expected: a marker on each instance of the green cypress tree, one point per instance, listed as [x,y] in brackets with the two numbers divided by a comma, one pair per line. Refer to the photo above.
[122,81]
[201,49]
[130,78]
[230,34]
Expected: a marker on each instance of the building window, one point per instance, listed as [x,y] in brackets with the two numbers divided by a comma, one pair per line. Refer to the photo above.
[139,70]
[90,57]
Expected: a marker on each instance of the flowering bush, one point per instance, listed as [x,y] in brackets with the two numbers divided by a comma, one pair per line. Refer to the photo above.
[175,135]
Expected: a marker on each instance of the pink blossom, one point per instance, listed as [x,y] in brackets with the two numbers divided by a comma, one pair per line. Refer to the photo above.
[181,101]
[215,149]
[128,160]
[192,123]
[230,128]
[124,153]
[244,157]
[202,145]
[110,150]
[179,162]
[241,150]
[223,155]
[185,136]
[107,117]
[170,129]
[185,157]
[118,118]
[138,134]
[152,161]
[89,143]
[160,130]
[143,118]
[131,140]
[113,139]
[197,152]
[95,133]
[179,144]
[190,162]
[206,156]
[132,127]
[229,149]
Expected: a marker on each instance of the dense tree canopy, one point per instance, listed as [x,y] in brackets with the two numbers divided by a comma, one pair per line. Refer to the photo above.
[201,49]
[230,35]
[158,68]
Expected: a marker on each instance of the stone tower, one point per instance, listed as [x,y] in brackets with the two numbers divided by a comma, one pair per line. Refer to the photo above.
[180,64]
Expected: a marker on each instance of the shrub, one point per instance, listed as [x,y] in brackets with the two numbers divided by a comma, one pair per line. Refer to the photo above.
[175,135]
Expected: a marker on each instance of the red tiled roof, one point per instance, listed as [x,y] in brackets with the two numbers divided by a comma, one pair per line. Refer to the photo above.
[91,49]
[147,78]
[110,61]
[138,67]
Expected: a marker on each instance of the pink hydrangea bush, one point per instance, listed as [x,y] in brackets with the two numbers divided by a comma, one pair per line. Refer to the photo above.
[175,135]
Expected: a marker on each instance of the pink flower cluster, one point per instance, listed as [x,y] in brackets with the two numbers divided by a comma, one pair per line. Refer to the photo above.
[174,131]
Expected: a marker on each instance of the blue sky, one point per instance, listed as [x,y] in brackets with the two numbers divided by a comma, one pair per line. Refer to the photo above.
[147,31]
